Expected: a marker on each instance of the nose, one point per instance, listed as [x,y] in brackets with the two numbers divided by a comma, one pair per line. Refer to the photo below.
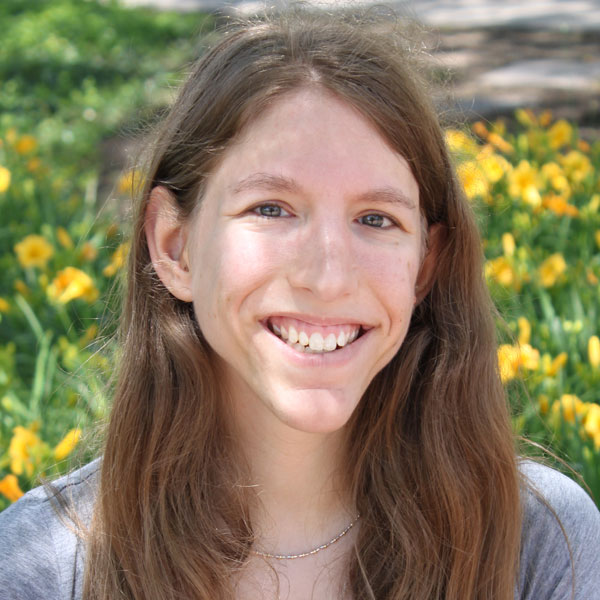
[325,261]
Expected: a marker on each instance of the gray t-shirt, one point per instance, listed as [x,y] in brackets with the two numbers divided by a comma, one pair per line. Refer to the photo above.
[42,558]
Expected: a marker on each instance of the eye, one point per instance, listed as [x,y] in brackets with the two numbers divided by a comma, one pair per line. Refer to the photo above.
[270,211]
[376,220]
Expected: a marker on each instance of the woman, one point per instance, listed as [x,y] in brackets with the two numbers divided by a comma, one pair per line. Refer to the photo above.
[308,403]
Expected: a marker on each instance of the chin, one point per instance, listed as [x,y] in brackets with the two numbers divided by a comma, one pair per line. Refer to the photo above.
[316,410]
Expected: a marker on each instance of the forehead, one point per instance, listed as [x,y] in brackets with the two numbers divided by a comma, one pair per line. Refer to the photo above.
[313,136]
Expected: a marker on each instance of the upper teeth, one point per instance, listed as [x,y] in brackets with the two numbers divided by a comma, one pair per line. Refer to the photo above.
[315,342]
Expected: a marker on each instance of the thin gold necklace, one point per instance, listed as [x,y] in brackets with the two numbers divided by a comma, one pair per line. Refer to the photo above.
[339,536]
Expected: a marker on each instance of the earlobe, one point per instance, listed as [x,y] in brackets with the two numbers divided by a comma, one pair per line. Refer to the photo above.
[426,277]
[167,243]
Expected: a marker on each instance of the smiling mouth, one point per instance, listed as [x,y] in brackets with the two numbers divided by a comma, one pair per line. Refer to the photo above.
[314,339]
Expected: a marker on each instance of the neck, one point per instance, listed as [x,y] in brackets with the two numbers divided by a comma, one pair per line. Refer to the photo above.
[301,501]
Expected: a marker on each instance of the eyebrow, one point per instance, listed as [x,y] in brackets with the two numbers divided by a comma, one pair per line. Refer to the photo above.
[266,181]
[279,183]
[389,195]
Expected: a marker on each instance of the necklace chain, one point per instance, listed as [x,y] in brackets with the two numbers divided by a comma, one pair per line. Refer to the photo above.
[340,535]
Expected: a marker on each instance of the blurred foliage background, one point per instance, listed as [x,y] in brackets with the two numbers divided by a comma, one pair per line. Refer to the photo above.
[73,74]
[80,78]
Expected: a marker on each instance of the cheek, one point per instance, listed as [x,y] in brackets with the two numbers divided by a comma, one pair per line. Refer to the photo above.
[393,274]
[226,270]
[395,279]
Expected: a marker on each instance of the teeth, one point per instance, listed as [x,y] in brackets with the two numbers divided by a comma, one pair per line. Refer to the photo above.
[316,342]
[330,342]
[295,346]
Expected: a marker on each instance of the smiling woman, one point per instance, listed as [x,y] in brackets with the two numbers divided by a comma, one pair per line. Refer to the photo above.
[308,403]
[294,234]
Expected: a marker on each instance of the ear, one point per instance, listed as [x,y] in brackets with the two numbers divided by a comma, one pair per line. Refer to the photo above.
[167,237]
[435,241]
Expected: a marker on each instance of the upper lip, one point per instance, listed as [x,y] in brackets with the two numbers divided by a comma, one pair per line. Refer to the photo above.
[319,320]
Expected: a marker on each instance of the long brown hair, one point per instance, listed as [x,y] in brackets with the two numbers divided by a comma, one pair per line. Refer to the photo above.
[432,464]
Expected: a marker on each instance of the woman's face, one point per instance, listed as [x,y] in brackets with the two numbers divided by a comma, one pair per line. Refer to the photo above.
[303,261]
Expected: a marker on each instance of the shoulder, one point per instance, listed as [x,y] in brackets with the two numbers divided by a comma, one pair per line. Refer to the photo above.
[560,539]
[41,555]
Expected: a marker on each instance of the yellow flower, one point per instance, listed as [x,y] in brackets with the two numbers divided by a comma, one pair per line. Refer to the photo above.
[34,251]
[594,351]
[529,357]
[556,176]
[524,330]
[67,444]
[511,359]
[559,134]
[526,117]
[597,237]
[508,244]
[4,179]
[559,206]
[9,488]
[591,277]
[543,403]
[583,146]
[22,450]
[551,269]
[129,182]
[473,179]
[570,407]
[117,260]
[545,118]
[494,166]
[508,361]
[501,271]
[71,283]
[556,365]
[499,142]
[4,305]
[26,144]
[576,165]
[460,143]
[64,238]
[480,129]
[88,252]
[551,169]
[523,182]
[591,423]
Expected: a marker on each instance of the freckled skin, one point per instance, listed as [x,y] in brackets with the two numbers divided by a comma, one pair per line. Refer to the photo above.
[317,258]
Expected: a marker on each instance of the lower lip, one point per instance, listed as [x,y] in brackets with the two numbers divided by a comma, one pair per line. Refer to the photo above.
[338,357]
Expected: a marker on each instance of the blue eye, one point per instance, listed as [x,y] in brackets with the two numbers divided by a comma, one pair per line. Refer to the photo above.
[270,210]
[375,220]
